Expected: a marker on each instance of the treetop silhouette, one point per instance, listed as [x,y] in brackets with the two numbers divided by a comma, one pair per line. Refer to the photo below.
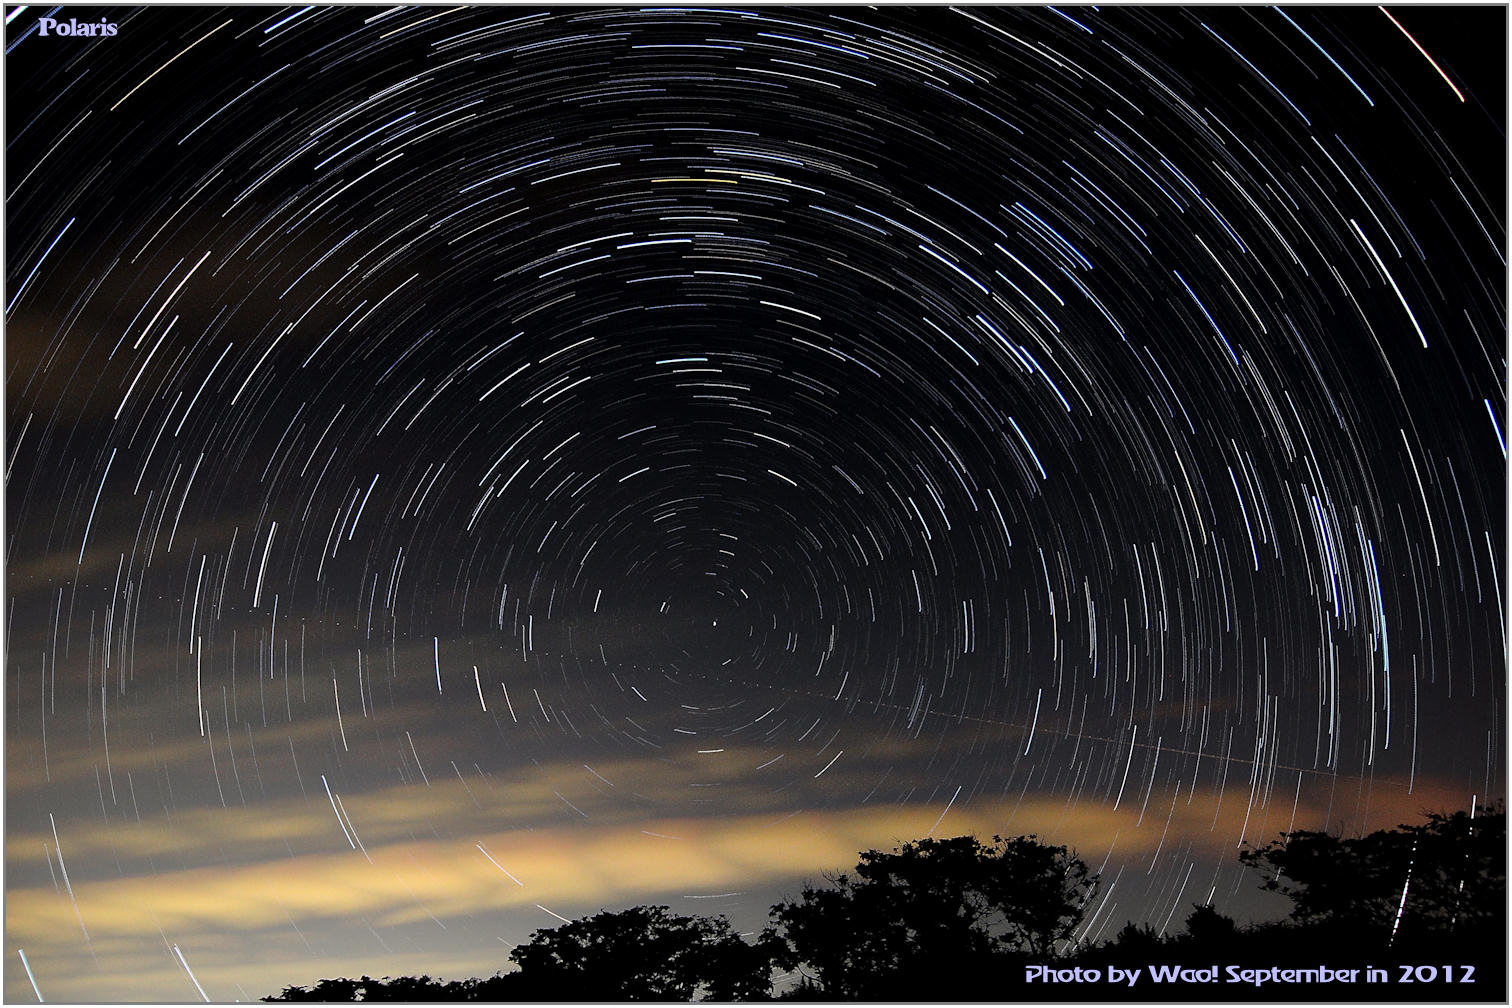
[956,920]
[646,953]
[932,906]
[1442,877]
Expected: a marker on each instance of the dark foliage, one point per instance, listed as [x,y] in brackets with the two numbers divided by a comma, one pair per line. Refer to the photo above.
[933,919]
[1211,939]
[1447,876]
[1431,894]
[421,988]
[957,920]
[642,954]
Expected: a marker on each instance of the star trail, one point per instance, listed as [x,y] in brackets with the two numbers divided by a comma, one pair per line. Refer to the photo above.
[465,461]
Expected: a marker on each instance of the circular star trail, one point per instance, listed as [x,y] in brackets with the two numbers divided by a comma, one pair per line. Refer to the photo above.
[691,415]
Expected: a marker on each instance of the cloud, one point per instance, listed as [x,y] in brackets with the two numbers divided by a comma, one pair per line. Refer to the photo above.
[261,912]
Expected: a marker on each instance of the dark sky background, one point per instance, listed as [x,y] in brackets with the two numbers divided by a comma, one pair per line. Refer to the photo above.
[470,467]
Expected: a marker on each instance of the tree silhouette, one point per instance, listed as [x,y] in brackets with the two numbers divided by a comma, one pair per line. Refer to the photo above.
[640,954]
[934,919]
[956,920]
[1206,926]
[1443,877]
[421,988]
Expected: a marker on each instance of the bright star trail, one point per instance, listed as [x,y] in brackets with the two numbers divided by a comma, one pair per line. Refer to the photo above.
[464,461]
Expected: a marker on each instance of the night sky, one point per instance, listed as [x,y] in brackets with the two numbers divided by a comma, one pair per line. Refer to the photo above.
[471,467]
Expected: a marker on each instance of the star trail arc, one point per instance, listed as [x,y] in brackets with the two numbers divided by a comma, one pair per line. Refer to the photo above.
[685,414]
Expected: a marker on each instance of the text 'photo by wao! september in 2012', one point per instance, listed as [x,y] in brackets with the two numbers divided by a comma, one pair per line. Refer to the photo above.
[819,503]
